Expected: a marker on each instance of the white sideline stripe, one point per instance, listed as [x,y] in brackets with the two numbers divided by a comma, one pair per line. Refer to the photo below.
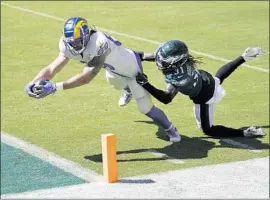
[51,158]
[239,144]
[134,37]
[167,158]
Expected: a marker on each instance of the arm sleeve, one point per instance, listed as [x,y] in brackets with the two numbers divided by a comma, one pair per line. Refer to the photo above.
[163,96]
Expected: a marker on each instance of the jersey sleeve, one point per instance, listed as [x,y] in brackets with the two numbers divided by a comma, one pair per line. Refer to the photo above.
[102,44]
[100,49]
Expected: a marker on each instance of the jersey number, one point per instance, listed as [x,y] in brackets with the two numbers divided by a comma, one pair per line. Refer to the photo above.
[195,77]
[117,43]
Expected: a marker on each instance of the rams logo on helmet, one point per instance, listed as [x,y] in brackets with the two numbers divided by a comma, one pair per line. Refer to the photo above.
[76,34]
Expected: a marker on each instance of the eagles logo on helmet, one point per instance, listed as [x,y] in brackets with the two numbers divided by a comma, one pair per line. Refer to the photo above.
[171,52]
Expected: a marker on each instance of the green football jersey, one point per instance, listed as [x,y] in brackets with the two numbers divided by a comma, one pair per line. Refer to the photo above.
[197,84]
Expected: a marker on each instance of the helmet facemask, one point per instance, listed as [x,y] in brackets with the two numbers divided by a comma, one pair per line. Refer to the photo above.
[77,46]
[165,63]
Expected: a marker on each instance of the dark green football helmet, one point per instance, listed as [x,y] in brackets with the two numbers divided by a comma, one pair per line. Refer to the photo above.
[170,53]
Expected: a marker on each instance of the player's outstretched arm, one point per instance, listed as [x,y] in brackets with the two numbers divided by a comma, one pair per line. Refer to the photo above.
[163,96]
[146,56]
[81,79]
[89,72]
[47,73]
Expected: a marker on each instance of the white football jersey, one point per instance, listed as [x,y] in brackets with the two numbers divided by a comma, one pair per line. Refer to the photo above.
[120,60]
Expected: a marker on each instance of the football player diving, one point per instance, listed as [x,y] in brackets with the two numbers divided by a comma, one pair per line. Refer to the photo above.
[181,75]
[98,50]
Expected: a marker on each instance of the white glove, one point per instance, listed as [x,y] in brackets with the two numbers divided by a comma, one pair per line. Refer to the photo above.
[252,52]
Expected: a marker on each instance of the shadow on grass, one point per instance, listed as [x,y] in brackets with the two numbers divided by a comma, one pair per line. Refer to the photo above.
[187,148]
[136,181]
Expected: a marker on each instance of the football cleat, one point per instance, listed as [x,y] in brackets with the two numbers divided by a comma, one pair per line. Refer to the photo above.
[125,99]
[173,134]
[253,132]
[252,52]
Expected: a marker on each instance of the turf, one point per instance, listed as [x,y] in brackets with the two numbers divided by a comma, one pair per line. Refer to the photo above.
[70,123]
[21,172]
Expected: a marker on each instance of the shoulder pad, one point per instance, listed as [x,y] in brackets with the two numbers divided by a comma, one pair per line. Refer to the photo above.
[101,44]
[101,39]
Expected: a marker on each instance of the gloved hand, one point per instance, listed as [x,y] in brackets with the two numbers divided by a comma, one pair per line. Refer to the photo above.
[28,89]
[45,89]
[252,52]
[141,78]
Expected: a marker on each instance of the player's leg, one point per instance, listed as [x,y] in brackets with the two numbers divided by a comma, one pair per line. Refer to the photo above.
[115,80]
[204,117]
[140,56]
[119,83]
[227,69]
[126,97]
[145,106]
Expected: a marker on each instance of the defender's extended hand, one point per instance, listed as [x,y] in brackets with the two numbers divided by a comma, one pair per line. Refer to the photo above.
[141,78]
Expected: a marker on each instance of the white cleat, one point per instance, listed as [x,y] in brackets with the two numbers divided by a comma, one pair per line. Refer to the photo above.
[253,132]
[252,52]
[173,134]
[125,99]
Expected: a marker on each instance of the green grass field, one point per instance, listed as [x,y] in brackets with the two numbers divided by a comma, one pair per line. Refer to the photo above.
[70,123]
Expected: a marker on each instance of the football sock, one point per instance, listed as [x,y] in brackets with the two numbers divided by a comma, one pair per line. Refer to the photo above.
[159,117]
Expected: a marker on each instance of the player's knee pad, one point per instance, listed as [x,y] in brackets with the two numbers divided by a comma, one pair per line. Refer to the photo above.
[144,104]
[116,81]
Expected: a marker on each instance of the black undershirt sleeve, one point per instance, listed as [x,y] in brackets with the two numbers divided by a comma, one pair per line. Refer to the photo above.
[146,56]
[163,96]
[140,53]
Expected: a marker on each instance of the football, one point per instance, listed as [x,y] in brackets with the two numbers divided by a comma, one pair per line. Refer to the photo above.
[40,82]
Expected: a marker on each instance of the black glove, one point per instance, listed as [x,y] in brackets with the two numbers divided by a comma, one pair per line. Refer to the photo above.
[141,78]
